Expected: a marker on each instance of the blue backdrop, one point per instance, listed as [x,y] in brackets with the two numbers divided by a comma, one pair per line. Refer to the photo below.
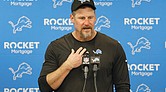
[28,26]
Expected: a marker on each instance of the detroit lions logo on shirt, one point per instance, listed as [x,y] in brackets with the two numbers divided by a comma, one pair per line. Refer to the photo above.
[98,51]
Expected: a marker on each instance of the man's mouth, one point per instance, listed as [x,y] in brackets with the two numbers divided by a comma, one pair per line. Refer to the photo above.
[86,28]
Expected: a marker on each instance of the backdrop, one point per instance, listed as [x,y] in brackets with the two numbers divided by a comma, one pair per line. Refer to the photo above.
[28,26]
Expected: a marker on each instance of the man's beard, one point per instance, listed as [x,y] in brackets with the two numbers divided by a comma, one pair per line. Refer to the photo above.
[86,35]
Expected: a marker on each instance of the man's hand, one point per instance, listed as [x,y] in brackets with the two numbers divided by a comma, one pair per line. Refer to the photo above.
[74,60]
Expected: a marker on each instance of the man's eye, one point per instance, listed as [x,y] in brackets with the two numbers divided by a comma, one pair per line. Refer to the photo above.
[82,18]
[91,17]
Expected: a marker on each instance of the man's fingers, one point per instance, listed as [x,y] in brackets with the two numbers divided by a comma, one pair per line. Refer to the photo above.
[72,50]
[78,51]
[83,51]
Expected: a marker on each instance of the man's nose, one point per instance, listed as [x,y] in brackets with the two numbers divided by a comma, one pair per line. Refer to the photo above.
[87,21]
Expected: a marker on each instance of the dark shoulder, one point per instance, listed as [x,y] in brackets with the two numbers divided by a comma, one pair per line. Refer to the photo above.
[106,39]
[64,42]
[62,39]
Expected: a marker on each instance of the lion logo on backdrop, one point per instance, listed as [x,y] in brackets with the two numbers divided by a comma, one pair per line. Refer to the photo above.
[138,2]
[59,2]
[140,44]
[143,88]
[23,68]
[102,21]
[23,22]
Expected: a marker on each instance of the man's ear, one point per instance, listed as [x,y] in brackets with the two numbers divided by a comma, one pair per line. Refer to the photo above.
[72,18]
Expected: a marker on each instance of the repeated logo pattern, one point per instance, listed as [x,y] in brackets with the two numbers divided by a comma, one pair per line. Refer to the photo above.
[146,25]
[143,88]
[23,68]
[142,43]
[102,22]
[57,3]
[138,2]
[23,22]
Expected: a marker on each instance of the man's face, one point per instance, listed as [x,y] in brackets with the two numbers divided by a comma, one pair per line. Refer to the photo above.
[84,21]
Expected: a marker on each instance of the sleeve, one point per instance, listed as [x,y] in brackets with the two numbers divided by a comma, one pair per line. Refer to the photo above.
[43,85]
[50,64]
[120,71]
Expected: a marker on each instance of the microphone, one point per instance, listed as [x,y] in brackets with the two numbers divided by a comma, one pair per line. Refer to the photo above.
[95,61]
[85,63]
[85,67]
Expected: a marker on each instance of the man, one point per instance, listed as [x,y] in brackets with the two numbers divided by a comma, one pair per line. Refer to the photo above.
[62,70]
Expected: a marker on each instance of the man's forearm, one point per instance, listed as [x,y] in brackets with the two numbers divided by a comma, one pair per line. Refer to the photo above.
[74,60]
[56,78]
